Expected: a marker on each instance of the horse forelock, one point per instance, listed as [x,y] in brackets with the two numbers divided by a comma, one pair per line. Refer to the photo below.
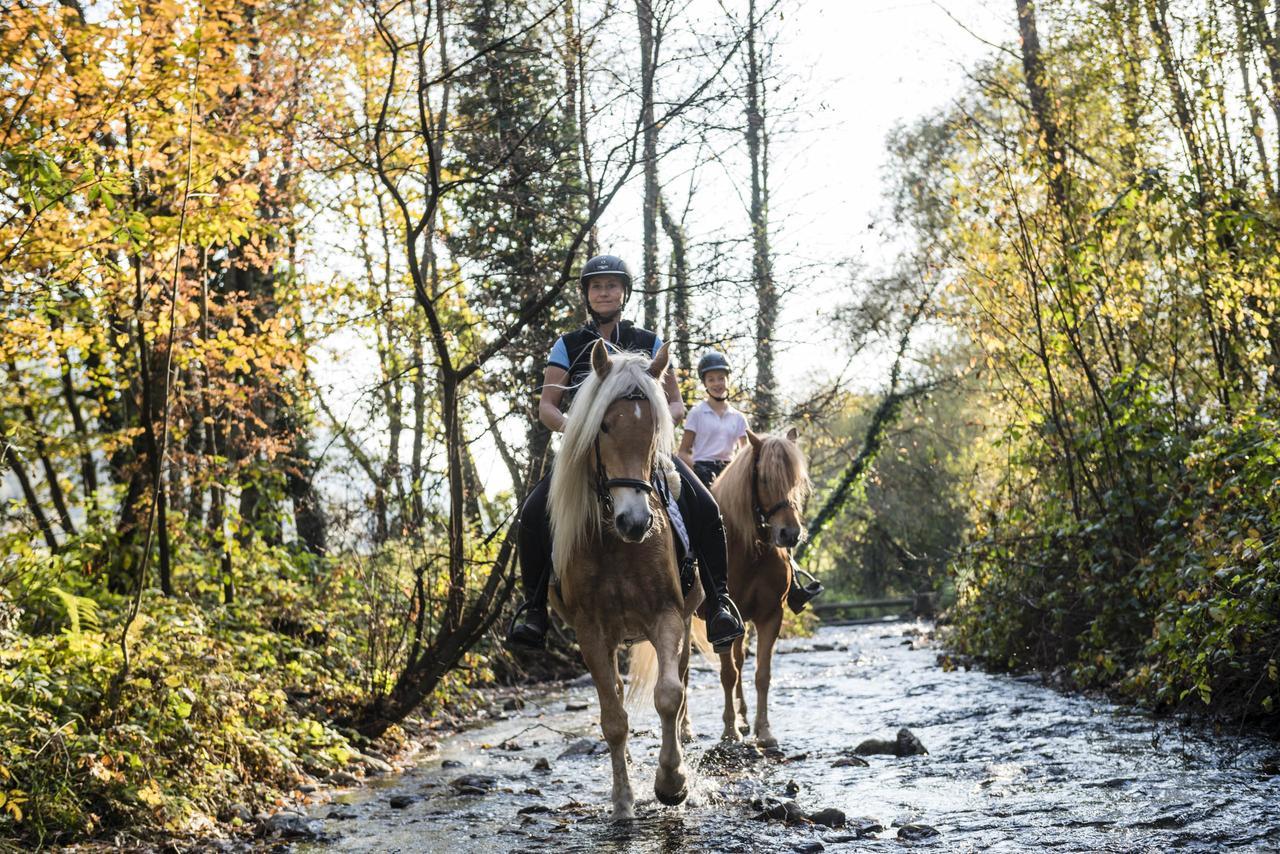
[572,502]
[781,461]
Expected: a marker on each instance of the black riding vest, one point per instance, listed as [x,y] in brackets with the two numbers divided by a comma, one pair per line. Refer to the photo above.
[578,343]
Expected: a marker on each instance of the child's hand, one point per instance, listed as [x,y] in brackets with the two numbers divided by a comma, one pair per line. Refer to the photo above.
[677,410]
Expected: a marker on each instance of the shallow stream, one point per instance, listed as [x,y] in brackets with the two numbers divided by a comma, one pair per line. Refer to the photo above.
[1012,766]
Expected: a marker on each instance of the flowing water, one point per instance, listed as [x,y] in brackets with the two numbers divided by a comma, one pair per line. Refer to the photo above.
[1011,766]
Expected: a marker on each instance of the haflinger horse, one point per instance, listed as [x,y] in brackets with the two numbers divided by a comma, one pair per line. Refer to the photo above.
[760,493]
[615,556]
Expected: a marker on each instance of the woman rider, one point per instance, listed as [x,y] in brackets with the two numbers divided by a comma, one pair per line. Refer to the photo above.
[713,432]
[605,284]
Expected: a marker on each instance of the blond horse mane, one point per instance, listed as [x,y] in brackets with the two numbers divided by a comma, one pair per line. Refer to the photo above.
[572,501]
[781,461]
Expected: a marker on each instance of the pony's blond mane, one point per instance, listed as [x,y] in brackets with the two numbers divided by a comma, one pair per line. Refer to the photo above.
[781,461]
[573,504]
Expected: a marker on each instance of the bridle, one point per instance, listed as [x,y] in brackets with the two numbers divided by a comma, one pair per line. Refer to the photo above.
[605,483]
[762,515]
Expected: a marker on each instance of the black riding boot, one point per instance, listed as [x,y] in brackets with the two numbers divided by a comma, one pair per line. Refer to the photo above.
[706,533]
[798,596]
[528,628]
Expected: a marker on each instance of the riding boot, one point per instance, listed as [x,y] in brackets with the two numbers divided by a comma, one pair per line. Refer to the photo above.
[798,596]
[534,540]
[724,623]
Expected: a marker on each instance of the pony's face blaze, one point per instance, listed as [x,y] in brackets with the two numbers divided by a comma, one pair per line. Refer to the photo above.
[626,449]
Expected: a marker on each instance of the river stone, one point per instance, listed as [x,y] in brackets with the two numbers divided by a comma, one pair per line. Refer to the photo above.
[916,832]
[906,744]
[513,704]
[286,825]
[375,765]
[584,747]
[731,756]
[861,827]
[542,764]
[399,802]
[451,763]
[474,784]
[576,707]
[909,745]
[829,817]
[787,811]
[809,846]
[342,778]
[850,762]
[533,808]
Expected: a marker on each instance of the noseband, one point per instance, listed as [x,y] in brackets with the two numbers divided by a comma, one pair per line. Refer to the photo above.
[762,515]
[605,483]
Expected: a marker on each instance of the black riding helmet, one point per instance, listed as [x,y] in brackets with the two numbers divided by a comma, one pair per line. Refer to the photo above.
[605,265]
[713,361]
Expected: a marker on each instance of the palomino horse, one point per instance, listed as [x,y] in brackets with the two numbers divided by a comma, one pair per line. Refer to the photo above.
[614,555]
[760,495]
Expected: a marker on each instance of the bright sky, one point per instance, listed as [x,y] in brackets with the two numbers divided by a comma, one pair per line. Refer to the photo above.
[859,69]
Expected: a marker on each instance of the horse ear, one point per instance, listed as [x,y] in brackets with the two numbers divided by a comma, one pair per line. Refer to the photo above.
[792,434]
[659,363]
[600,362]
[755,440]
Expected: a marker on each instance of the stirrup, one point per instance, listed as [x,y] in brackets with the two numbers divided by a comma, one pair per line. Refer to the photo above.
[524,640]
[725,644]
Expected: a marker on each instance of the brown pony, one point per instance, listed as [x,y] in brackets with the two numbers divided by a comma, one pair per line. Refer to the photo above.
[614,556]
[760,495]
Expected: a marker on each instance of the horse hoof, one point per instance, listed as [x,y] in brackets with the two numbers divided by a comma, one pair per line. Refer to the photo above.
[766,742]
[624,814]
[672,800]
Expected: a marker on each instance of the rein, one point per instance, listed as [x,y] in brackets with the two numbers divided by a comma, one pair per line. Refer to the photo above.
[762,515]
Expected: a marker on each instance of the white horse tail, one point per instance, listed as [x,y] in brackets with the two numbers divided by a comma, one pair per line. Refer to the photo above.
[700,642]
[642,674]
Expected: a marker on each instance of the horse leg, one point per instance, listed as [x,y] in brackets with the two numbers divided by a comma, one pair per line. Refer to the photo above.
[730,678]
[740,660]
[671,784]
[686,728]
[766,634]
[602,663]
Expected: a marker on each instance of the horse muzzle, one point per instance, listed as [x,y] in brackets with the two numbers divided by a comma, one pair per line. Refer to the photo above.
[787,537]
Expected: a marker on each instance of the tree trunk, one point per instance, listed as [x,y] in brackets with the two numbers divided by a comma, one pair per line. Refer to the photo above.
[648,60]
[765,399]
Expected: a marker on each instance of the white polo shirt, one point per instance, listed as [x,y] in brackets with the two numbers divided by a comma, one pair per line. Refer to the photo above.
[715,436]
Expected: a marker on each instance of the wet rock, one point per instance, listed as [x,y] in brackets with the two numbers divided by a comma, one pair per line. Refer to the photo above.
[857,828]
[542,764]
[829,817]
[533,808]
[808,846]
[474,784]
[792,788]
[576,707]
[309,788]
[513,704]
[537,793]
[342,778]
[399,802]
[451,763]
[850,762]
[287,825]
[375,765]
[510,746]
[917,832]
[906,744]
[341,814]
[731,756]
[584,747]
[786,811]
[823,647]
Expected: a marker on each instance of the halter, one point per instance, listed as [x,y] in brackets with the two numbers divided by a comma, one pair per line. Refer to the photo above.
[604,483]
[762,515]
